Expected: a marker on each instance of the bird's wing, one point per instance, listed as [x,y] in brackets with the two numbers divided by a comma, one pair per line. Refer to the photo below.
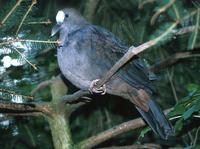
[109,49]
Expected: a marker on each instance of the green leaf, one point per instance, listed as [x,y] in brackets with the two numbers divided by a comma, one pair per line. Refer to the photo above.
[192,87]
[189,112]
[179,125]
[194,107]
[196,147]
[144,131]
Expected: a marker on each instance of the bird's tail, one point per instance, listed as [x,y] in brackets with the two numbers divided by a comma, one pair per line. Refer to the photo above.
[157,120]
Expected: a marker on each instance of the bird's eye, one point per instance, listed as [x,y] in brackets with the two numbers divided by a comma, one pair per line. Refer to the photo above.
[66,15]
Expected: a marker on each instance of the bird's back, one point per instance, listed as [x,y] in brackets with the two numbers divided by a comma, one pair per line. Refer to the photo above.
[91,51]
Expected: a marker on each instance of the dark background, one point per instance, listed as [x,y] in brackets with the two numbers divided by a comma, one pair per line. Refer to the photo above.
[178,82]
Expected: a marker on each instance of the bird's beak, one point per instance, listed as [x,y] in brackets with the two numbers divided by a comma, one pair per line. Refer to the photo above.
[55,29]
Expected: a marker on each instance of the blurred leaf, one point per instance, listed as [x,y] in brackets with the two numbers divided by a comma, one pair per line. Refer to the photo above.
[179,125]
[188,105]
[192,88]
[144,132]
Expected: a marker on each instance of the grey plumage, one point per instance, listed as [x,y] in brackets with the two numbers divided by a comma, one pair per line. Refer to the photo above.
[87,52]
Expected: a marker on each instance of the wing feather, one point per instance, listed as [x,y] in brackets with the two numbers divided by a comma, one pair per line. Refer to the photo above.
[108,50]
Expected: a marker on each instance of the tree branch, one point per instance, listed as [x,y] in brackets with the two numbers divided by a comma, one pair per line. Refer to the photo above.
[26,14]
[24,109]
[10,12]
[136,50]
[24,114]
[142,3]
[41,86]
[136,146]
[161,10]
[75,97]
[174,59]
[185,30]
[132,52]
[114,131]
[13,93]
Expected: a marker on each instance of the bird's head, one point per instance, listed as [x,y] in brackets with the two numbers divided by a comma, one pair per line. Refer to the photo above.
[68,20]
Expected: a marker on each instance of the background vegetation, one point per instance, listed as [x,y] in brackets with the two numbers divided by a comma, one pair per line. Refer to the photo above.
[28,58]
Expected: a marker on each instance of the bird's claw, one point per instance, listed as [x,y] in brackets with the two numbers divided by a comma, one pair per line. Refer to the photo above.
[93,88]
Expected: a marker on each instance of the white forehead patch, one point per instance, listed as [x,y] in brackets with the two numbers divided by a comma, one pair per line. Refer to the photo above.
[60,17]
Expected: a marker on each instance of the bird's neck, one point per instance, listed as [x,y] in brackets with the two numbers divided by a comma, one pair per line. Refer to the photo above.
[74,25]
[68,29]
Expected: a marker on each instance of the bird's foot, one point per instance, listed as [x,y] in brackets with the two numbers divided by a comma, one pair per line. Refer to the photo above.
[93,88]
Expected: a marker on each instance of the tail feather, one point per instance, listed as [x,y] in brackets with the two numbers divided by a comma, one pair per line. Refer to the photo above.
[157,120]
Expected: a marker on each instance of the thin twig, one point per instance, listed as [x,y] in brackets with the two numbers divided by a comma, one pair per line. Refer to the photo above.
[28,40]
[23,57]
[172,59]
[196,30]
[26,14]
[196,137]
[170,76]
[74,97]
[141,5]
[41,86]
[176,11]
[185,30]
[197,116]
[41,22]
[161,10]
[179,116]
[23,114]
[10,12]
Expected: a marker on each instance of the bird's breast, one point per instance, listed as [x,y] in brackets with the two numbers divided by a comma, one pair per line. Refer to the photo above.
[76,65]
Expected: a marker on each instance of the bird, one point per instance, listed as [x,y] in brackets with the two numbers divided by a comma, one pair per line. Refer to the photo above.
[86,52]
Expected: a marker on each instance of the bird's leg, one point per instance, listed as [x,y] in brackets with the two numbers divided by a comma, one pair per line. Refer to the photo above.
[93,88]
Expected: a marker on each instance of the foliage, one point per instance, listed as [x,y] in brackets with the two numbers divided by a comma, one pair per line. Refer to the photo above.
[25,39]
[188,106]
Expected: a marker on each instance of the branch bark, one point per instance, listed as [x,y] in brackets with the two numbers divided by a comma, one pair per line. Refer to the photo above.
[24,109]
[136,146]
[114,131]
[75,97]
